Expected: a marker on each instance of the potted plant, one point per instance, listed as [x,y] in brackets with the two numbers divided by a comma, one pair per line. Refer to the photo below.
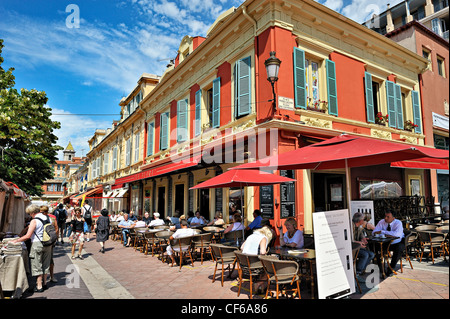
[410,126]
[317,106]
[381,119]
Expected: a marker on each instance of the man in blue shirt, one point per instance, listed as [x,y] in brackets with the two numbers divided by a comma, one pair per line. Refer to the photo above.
[256,223]
[126,224]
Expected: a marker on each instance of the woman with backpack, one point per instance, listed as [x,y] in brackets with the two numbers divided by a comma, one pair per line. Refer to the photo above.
[40,255]
[102,229]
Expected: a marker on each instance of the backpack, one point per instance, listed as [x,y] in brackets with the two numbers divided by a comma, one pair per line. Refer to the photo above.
[49,236]
[87,213]
[62,215]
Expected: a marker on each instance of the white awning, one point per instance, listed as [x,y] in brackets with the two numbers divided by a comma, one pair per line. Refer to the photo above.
[121,192]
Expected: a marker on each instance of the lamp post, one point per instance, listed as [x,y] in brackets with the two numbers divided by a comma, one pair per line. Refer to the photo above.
[272,67]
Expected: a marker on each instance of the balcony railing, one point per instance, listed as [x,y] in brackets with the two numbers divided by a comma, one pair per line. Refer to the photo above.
[445,35]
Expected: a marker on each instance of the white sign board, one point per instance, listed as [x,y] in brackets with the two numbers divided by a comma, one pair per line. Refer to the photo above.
[285,103]
[366,208]
[334,259]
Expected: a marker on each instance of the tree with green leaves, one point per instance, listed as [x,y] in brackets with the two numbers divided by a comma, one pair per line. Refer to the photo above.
[27,143]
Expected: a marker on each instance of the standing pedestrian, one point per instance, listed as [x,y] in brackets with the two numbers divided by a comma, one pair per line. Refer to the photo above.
[40,255]
[44,210]
[87,215]
[102,229]
[77,236]
[61,216]
[70,216]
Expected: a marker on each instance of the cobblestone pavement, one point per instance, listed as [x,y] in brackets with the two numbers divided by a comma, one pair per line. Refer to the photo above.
[124,273]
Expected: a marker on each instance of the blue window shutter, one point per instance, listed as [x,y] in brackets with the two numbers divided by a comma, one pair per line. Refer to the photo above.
[243,92]
[164,131]
[216,103]
[198,113]
[398,106]
[150,134]
[182,123]
[331,86]
[369,98]
[416,111]
[390,95]
[299,78]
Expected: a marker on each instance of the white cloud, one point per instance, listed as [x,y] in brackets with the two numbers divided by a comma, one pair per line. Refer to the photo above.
[76,129]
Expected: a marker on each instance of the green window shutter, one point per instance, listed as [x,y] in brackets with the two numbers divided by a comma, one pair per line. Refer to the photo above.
[243,87]
[216,103]
[299,78]
[331,86]
[182,120]
[150,134]
[198,113]
[164,131]
[369,98]
[416,111]
[390,95]
[398,106]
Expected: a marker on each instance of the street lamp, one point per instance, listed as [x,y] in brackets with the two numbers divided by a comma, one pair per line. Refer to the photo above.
[272,67]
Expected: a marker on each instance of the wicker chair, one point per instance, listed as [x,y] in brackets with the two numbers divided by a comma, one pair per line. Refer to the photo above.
[182,246]
[248,265]
[355,251]
[163,242]
[223,255]
[202,242]
[280,272]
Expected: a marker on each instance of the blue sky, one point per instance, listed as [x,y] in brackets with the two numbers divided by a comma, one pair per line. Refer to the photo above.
[87,70]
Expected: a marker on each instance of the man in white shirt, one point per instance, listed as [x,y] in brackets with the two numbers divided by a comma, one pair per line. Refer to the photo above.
[198,219]
[391,227]
[184,231]
[156,221]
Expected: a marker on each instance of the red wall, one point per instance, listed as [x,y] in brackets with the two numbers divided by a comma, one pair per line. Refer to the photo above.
[224,72]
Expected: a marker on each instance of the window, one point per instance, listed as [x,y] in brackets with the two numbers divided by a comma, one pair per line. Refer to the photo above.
[105,163]
[128,152]
[209,105]
[182,120]
[307,82]
[441,66]
[416,111]
[114,163]
[372,94]
[150,138]
[216,103]
[441,142]
[198,113]
[242,92]
[427,55]
[136,147]
[164,131]
[394,104]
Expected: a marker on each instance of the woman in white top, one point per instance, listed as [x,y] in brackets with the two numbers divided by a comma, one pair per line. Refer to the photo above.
[259,240]
[293,237]
[236,225]
[40,255]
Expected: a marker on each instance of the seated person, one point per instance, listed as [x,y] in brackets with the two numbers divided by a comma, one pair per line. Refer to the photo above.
[156,221]
[147,218]
[293,237]
[184,231]
[218,220]
[256,223]
[390,226]
[198,219]
[139,223]
[126,224]
[132,216]
[257,243]
[190,216]
[236,225]
[365,256]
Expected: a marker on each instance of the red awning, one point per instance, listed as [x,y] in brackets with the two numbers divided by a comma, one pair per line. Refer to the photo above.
[153,172]
[423,163]
[346,151]
[97,190]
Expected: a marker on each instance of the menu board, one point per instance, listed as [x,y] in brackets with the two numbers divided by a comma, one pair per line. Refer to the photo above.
[334,258]
[287,194]
[266,201]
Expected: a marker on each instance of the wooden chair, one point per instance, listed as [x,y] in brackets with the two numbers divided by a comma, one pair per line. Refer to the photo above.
[280,272]
[409,240]
[202,242]
[223,255]
[248,265]
[234,236]
[355,251]
[182,246]
[432,242]
[163,242]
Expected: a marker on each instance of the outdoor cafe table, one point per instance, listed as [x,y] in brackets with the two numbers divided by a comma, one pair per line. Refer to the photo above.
[301,256]
[377,244]
[217,232]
